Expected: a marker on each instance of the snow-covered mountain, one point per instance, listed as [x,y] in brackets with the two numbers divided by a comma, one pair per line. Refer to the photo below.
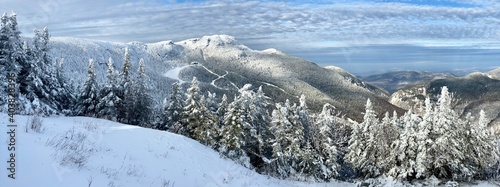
[495,73]
[474,92]
[394,81]
[222,65]
[81,151]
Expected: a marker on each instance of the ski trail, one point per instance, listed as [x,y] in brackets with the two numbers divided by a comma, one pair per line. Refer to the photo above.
[218,77]
[272,85]
[174,73]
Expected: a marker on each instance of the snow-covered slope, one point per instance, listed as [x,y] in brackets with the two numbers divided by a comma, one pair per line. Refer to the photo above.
[223,65]
[95,152]
[495,73]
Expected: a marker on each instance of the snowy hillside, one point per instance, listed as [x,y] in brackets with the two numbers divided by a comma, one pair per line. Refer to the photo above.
[80,151]
[223,65]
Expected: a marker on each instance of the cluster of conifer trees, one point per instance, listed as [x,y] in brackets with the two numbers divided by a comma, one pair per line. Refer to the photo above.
[439,144]
[42,87]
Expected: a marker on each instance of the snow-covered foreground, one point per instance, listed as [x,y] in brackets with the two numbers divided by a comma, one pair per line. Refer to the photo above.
[80,151]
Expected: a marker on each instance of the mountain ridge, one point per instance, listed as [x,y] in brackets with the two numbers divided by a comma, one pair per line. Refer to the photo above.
[209,57]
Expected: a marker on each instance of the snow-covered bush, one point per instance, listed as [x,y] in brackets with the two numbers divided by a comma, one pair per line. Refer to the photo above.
[72,148]
[35,124]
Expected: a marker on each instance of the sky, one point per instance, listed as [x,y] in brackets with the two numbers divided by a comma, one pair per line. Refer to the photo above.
[361,36]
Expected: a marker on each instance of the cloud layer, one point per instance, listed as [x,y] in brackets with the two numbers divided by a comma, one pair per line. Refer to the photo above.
[291,26]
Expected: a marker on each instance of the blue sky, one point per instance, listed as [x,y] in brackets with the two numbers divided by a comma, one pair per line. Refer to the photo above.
[362,36]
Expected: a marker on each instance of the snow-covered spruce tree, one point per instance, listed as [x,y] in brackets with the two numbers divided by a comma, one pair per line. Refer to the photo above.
[363,150]
[303,116]
[125,91]
[107,106]
[232,136]
[260,120]
[447,151]
[404,149]
[252,121]
[12,58]
[425,142]
[481,150]
[198,123]
[88,99]
[42,80]
[325,143]
[222,109]
[211,102]
[142,106]
[290,158]
[172,110]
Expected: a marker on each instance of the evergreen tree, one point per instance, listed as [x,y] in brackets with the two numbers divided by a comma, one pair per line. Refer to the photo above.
[173,109]
[481,150]
[447,149]
[211,103]
[11,57]
[221,111]
[363,150]
[125,91]
[198,123]
[232,136]
[404,149]
[425,141]
[107,106]
[325,141]
[88,98]
[290,157]
[304,117]
[142,106]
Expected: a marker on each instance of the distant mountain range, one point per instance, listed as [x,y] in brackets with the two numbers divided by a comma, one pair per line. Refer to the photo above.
[223,65]
[394,81]
[474,92]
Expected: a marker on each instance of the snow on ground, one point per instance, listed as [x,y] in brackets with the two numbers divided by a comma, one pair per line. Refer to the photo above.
[174,73]
[81,151]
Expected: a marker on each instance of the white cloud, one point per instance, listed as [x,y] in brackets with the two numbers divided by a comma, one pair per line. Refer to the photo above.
[283,25]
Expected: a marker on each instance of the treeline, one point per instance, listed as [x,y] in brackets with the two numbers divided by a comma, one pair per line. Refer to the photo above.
[438,144]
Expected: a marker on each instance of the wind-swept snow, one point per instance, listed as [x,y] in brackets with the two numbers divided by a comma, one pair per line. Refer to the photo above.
[113,154]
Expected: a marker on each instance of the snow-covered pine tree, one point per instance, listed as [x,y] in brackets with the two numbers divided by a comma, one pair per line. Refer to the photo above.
[280,127]
[107,106]
[260,119]
[232,136]
[50,92]
[289,157]
[211,102]
[198,123]
[125,91]
[425,141]
[142,106]
[385,135]
[325,143]
[363,148]
[404,149]
[173,109]
[221,111]
[481,150]
[88,98]
[303,115]
[11,58]
[4,59]
[448,147]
